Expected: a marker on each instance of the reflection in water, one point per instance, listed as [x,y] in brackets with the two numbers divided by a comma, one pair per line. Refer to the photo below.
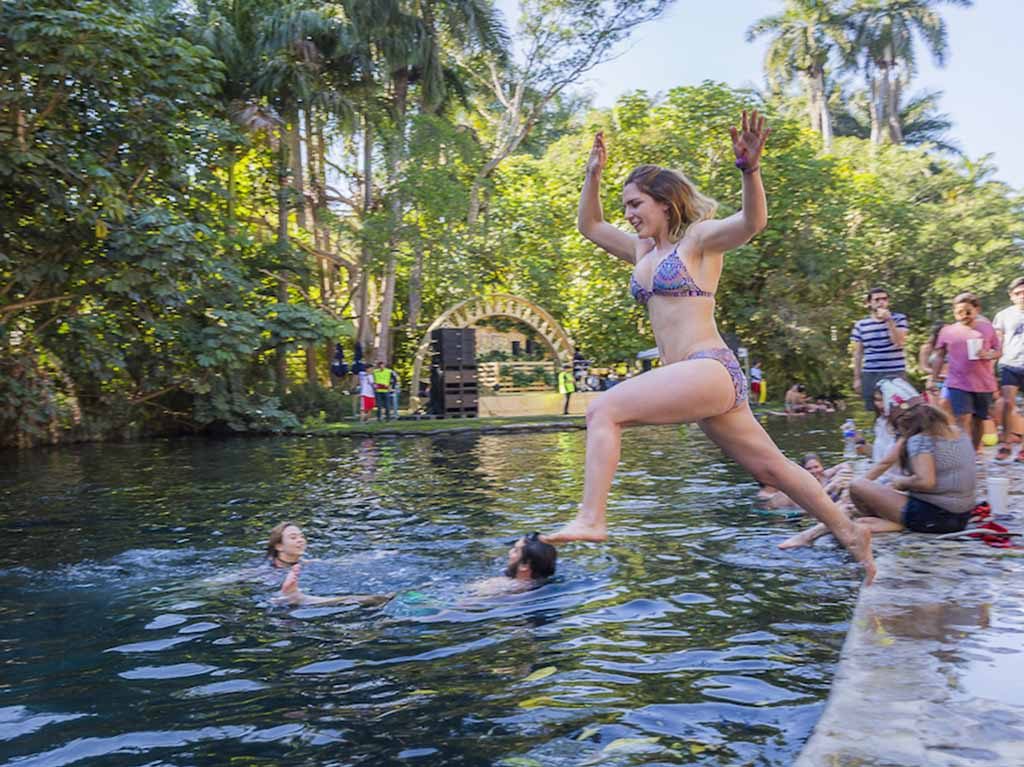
[940,621]
[687,638]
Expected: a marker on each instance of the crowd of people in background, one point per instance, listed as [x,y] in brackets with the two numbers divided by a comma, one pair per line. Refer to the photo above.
[926,444]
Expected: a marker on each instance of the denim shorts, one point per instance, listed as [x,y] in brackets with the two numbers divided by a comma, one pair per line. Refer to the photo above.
[923,517]
[1009,376]
[977,402]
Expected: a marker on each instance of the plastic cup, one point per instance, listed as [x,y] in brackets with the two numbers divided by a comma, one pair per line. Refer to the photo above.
[974,347]
[998,494]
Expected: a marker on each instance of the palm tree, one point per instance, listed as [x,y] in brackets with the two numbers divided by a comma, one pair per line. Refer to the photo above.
[922,122]
[883,34]
[804,37]
[410,44]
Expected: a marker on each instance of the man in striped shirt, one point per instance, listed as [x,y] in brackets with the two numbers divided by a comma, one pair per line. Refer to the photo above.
[878,346]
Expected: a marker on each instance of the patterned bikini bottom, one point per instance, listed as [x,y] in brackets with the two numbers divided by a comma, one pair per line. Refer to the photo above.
[728,359]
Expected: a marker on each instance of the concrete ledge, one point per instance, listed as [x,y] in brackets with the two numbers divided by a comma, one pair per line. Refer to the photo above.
[932,670]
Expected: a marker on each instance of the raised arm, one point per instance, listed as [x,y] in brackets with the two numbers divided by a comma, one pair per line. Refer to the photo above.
[590,219]
[724,234]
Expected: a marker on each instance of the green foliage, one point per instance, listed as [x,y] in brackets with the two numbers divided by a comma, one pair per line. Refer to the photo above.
[312,402]
[155,276]
[116,258]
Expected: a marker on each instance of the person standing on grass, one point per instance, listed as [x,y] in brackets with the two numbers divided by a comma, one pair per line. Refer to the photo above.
[382,390]
[756,379]
[878,341]
[971,345]
[367,395]
[1009,327]
[566,386]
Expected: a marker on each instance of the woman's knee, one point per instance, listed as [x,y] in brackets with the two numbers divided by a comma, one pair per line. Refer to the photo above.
[773,472]
[858,485]
[599,414]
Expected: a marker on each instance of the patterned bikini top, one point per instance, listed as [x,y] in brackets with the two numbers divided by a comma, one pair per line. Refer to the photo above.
[671,278]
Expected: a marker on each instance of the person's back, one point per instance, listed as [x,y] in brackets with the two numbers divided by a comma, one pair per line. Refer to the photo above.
[955,476]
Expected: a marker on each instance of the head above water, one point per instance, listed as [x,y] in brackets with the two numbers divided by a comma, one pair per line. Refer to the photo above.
[812,462]
[659,199]
[287,544]
[531,559]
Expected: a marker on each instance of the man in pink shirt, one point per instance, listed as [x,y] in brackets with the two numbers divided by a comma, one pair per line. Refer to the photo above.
[970,345]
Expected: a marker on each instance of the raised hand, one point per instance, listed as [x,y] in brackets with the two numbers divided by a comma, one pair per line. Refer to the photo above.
[748,142]
[598,155]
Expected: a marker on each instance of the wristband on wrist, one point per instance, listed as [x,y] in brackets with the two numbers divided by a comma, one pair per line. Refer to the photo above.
[742,165]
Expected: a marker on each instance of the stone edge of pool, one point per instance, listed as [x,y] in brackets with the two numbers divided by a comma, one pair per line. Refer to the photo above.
[917,683]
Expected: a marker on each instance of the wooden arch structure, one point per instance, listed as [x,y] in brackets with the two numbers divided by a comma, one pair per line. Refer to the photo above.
[468,313]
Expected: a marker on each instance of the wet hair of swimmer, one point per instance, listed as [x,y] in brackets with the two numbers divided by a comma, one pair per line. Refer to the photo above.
[541,557]
[276,536]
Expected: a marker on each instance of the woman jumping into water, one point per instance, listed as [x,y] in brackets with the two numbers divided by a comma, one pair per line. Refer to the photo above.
[677,254]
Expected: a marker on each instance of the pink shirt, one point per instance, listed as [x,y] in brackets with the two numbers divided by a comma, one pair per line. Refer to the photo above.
[967,374]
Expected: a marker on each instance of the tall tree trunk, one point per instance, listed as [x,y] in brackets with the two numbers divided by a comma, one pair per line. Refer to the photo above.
[303,218]
[874,111]
[364,332]
[893,122]
[416,289]
[298,181]
[283,245]
[813,94]
[824,117]
[317,184]
[396,153]
[387,306]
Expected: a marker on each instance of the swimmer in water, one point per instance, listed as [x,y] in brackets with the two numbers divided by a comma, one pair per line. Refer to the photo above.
[530,562]
[285,550]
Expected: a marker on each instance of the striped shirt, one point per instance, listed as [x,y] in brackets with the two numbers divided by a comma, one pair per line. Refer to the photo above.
[881,355]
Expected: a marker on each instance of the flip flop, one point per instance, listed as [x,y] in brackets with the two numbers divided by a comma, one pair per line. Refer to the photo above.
[1004,454]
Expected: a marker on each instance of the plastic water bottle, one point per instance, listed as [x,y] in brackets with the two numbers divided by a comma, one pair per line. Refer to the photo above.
[849,438]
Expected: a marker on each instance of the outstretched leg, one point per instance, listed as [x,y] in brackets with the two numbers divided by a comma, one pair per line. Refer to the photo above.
[682,392]
[742,438]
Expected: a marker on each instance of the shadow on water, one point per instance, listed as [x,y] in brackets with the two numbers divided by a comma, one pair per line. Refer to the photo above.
[688,639]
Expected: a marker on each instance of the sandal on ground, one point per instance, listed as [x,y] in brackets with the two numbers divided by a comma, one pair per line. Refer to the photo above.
[1004,454]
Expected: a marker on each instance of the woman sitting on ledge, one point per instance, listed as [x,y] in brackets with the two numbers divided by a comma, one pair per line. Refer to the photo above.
[937,493]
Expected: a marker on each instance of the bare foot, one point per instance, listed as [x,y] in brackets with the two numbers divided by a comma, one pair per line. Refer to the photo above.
[859,547]
[579,530]
[291,581]
[805,537]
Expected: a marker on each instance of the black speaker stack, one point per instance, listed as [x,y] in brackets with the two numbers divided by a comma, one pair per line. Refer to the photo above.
[453,392]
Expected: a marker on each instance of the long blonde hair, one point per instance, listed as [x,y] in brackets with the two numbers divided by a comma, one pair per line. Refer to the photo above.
[685,204]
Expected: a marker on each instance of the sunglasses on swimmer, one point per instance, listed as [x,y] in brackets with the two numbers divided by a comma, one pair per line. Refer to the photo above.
[529,538]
